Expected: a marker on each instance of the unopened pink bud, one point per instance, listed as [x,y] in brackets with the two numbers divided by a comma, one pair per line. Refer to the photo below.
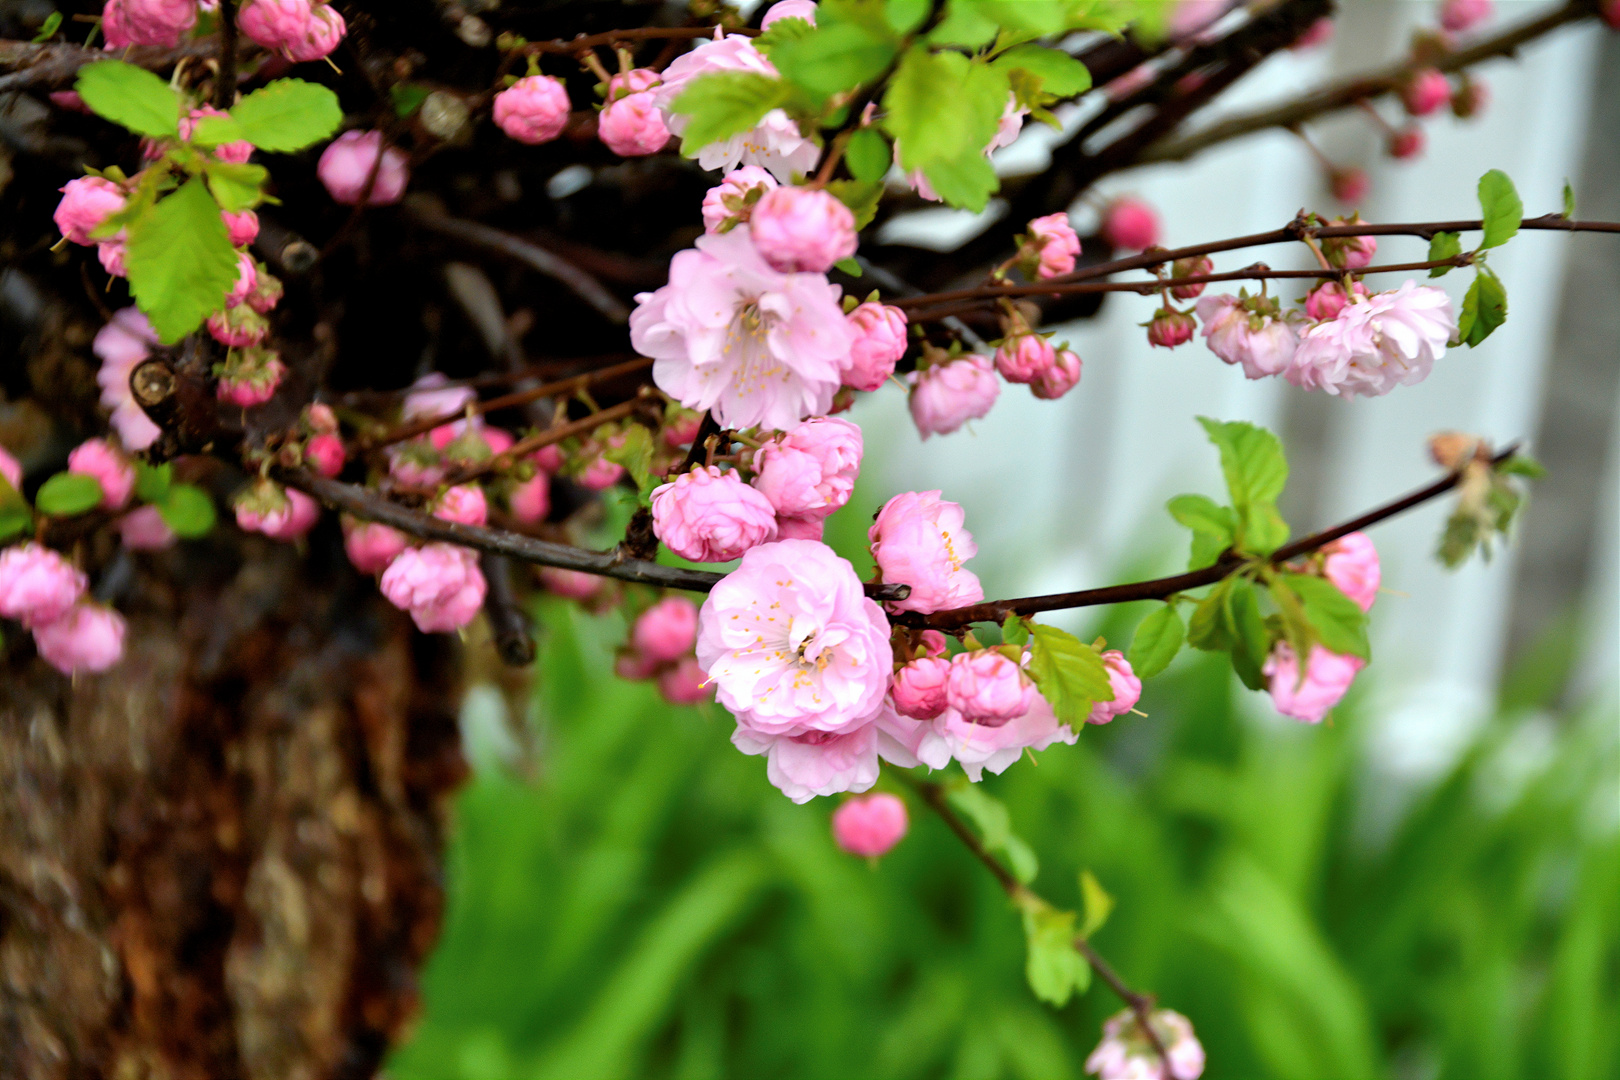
[371,545]
[1127,689]
[266,294]
[111,469]
[249,377]
[275,24]
[239,327]
[600,474]
[1352,565]
[86,203]
[1052,245]
[933,643]
[1023,358]
[1327,677]
[667,630]
[321,419]
[686,683]
[919,687]
[870,825]
[90,637]
[464,504]
[1169,328]
[1350,252]
[1471,98]
[1328,299]
[163,23]
[1427,91]
[439,584]
[631,665]
[1349,185]
[247,277]
[114,255]
[1195,266]
[880,342]
[534,109]
[325,454]
[244,227]
[1130,224]
[530,500]
[347,163]
[633,126]
[732,200]
[630,82]
[1461,15]
[323,33]
[988,688]
[1407,143]
[1059,379]
[681,428]
[946,396]
[37,585]
[549,458]
[143,529]
[802,229]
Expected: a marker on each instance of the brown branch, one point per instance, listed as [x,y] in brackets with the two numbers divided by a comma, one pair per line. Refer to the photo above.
[225,83]
[55,64]
[524,447]
[645,33]
[1348,93]
[1141,1004]
[995,611]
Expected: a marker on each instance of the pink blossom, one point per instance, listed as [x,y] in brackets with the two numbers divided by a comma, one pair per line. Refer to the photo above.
[711,516]
[798,229]
[1262,344]
[919,687]
[1130,224]
[244,227]
[870,825]
[1169,328]
[574,584]
[988,688]
[1390,339]
[684,683]
[1426,91]
[1327,677]
[347,163]
[530,500]
[249,377]
[1059,379]
[439,584]
[978,747]
[322,34]
[880,342]
[113,255]
[1022,358]
[919,540]
[236,152]
[793,644]
[1126,1053]
[800,528]
[238,327]
[775,143]
[731,335]
[11,469]
[1352,566]
[790,9]
[97,458]
[733,198]
[633,126]
[933,643]
[86,203]
[325,454]
[814,763]
[1055,245]
[122,344]
[667,630]
[600,474]
[1349,185]
[534,109]
[37,585]
[1328,299]
[143,529]
[89,637]
[1126,686]
[630,82]
[946,396]
[811,470]
[275,24]
[1407,143]
[247,278]
[1192,266]
[371,545]
[431,398]
[464,503]
[148,22]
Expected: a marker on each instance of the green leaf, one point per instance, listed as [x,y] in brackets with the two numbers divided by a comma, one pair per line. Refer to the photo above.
[917,106]
[1338,621]
[726,103]
[1061,74]
[850,266]
[152,481]
[1523,465]
[187,510]
[861,196]
[1069,674]
[1501,208]
[965,182]
[964,24]
[235,186]
[15,515]
[131,96]
[287,115]
[1569,201]
[781,31]
[1158,639]
[408,97]
[1095,903]
[1484,308]
[635,453]
[994,825]
[868,154]
[836,56]
[1443,246]
[1248,632]
[1214,527]
[181,262]
[1208,628]
[215,130]
[48,28]
[1256,471]
[1054,968]
[904,16]
[1015,630]
[67,494]
[1296,628]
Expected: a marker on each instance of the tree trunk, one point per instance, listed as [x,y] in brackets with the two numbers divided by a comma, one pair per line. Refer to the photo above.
[222,858]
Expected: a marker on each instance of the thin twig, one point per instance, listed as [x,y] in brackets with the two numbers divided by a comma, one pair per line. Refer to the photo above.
[225,82]
[524,447]
[645,33]
[1141,1004]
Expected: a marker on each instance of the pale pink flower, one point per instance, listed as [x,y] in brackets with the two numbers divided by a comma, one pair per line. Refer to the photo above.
[1055,244]
[793,644]
[347,164]
[534,109]
[371,545]
[90,637]
[774,143]
[1389,339]
[790,9]
[11,469]
[1352,566]
[1460,15]
[122,344]
[946,396]
[574,584]
[1169,328]
[234,152]
[98,458]
[243,227]
[980,747]
[275,24]
[37,585]
[1327,677]
[684,683]
[731,335]
[1426,91]
[729,199]
[600,474]
[530,500]
[880,342]
[325,454]
[814,763]
[86,203]
[633,126]
[1262,344]
[114,255]
[987,687]
[323,33]
[464,504]
[439,584]
[707,515]
[919,687]
[1126,1053]
[143,529]
[1059,379]
[1022,358]
[667,630]
[919,540]
[799,229]
[1131,224]
[1126,686]
[870,825]
[1328,299]
[811,470]
[148,22]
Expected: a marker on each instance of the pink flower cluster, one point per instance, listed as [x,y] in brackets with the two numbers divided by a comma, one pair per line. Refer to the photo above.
[1031,358]
[440,585]
[1126,1052]
[918,539]
[46,593]
[661,648]
[297,29]
[1351,564]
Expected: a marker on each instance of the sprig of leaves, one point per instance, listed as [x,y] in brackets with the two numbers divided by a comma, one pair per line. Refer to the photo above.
[1484,306]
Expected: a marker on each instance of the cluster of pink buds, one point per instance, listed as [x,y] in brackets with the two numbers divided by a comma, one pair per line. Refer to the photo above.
[297,29]
[46,593]
[661,649]
[1025,356]
[1049,248]
[880,342]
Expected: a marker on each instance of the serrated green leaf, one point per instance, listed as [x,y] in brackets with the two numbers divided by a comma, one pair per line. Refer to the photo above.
[917,106]
[1501,208]
[994,825]
[287,115]
[1338,621]
[1443,246]
[1214,527]
[152,481]
[868,155]
[215,131]
[726,103]
[1015,630]
[1207,629]
[236,186]
[782,31]
[965,182]
[1069,674]
[635,453]
[1248,632]
[1256,471]
[836,56]
[1095,904]
[861,196]
[187,510]
[180,261]
[67,494]
[1484,308]
[131,96]
[1061,75]
[1158,639]
[964,24]
[1053,967]
[1569,201]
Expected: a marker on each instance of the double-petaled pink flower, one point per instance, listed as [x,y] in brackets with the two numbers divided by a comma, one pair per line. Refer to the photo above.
[880,342]
[810,471]
[707,515]
[919,540]
[775,143]
[944,396]
[439,584]
[1375,344]
[1328,676]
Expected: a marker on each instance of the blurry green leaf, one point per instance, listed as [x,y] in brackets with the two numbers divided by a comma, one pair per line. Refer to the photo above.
[152,481]
[1443,246]
[15,515]
[1296,627]
[965,182]
[943,111]
[215,131]
[67,494]
[994,825]
[850,266]
[1054,968]
[1522,465]
[1069,673]
[1061,74]
[181,262]
[1248,632]
[635,453]
[1569,201]
[1256,471]
[287,115]
[783,31]
[836,56]
[1015,630]
[964,24]
[1095,902]
[408,97]
[1339,622]
[1158,639]
[904,16]
[1208,628]
[868,155]
[1484,308]
[1214,527]
[726,103]
[187,510]
[236,186]
[48,28]
[1501,208]
[131,96]
[861,196]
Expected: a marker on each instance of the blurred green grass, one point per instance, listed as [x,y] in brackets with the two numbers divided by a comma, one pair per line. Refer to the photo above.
[648,906]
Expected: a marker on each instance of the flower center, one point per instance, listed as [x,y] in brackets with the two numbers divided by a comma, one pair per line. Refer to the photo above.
[747,346]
